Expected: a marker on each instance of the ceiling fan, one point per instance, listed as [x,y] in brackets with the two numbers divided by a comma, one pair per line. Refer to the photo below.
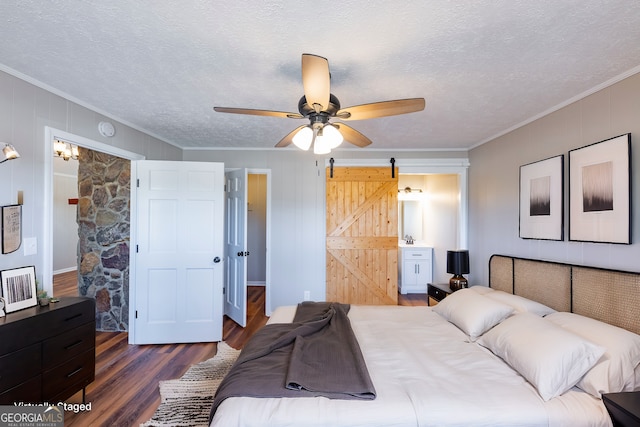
[319,105]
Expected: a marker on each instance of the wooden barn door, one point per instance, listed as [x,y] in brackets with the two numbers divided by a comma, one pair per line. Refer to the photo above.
[362,235]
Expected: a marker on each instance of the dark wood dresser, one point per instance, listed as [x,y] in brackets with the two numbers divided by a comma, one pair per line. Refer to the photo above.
[47,354]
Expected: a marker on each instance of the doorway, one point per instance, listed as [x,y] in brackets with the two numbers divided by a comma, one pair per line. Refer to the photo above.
[428,214]
[52,134]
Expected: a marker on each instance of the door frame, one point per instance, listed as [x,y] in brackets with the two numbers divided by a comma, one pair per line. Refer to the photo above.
[458,166]
[267,279]
[50,134]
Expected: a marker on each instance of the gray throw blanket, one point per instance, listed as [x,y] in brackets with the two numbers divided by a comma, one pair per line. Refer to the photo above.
[316,355]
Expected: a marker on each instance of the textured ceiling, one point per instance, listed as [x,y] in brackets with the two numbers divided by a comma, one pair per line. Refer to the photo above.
[483,66]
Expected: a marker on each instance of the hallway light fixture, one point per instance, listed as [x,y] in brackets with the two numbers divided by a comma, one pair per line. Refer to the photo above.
[65,150]
[9,152]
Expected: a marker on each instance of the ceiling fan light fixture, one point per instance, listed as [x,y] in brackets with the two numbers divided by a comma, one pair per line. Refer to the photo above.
[332,136]
[302,139]
[321,145]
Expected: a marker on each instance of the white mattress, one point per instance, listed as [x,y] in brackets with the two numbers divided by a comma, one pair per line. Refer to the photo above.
[426,373]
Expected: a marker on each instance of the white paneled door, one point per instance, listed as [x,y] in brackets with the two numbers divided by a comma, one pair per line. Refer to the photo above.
[180,249]
[235,292]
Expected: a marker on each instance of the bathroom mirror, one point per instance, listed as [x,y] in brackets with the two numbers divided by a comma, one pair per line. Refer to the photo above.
[410,219]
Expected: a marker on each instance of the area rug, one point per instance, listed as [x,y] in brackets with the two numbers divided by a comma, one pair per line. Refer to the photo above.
[187,400]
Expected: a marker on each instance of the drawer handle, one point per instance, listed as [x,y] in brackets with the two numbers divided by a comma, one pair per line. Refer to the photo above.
[73,317]
[74,372]
[75,344]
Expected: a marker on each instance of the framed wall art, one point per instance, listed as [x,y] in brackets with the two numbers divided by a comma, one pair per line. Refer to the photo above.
[542,199]
[11,228]
[19,288]
[600,190]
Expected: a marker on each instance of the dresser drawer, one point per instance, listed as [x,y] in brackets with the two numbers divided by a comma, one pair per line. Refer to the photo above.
[436,293]
[69,377]
[26,392]
[65,346]
[62,319]
[19,366]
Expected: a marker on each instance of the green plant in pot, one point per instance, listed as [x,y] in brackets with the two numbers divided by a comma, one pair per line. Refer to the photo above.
[43,298]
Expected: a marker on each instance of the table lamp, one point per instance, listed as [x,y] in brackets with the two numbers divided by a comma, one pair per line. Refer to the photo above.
[458,264]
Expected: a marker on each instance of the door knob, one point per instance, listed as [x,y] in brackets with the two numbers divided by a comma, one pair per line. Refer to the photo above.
[240,253]
[216,259]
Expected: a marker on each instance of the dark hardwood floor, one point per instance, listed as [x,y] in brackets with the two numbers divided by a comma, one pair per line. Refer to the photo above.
[125,391]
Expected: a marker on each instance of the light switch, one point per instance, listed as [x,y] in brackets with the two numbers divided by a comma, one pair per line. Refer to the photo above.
[30,246]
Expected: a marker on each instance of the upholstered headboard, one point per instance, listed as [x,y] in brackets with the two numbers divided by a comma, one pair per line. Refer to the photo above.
[607,295]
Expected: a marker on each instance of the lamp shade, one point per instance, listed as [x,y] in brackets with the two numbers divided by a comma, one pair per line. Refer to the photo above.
[458,262]
[302,139]
[8,152]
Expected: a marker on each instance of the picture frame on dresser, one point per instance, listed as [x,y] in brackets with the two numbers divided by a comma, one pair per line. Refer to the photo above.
[19,288]
[600,191]
[542,199]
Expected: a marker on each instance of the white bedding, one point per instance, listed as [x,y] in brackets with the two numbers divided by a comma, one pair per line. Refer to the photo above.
[426,373]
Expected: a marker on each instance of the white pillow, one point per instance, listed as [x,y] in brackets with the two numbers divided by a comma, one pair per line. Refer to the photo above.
[472,312]
[481,289]
[551,358]
[615,371]
[521,304]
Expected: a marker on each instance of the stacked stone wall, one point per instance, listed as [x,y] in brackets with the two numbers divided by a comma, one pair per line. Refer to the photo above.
[104,188]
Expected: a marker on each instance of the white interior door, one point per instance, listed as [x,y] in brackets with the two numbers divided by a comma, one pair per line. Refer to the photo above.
[179,273]
[235,300]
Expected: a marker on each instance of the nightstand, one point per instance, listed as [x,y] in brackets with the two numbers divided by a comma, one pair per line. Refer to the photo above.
[624,408]
[437,292]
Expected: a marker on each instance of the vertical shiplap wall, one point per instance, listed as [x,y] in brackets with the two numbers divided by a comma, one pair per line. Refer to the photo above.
[298,211]
[25,110]
[494,180]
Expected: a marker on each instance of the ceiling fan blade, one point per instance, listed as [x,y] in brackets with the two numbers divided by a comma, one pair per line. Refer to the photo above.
[352,136]
[381,109]
[316,81]
[251,112]
[287,140]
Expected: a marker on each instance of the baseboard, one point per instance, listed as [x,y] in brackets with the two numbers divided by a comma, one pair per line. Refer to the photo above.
[65,270]
[256,283]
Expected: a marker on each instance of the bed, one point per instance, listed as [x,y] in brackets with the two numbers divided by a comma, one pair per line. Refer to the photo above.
[511,354]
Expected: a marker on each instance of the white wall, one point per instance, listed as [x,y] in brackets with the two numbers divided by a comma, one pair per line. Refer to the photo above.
[65,224]
[257,229]
[494,180]
[25,110]
[298,210]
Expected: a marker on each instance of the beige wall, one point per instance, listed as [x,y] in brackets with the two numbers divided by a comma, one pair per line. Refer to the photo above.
[494,180]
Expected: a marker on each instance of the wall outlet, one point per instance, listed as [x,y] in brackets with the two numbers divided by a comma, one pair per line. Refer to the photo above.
[307,295]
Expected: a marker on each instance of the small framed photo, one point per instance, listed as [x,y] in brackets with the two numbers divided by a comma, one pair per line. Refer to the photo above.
[11,228]
[600,191]
[542,199]
[19,288]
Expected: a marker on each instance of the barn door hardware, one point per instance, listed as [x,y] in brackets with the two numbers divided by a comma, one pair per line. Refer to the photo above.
[393,167]
[331,167]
